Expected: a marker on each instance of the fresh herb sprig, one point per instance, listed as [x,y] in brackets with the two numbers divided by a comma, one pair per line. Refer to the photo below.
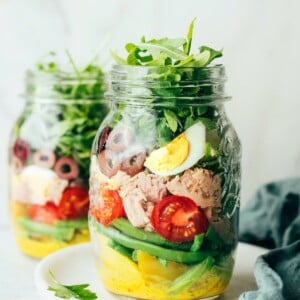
[73,82]
[76,123]
[167,52]
[177,77]
[174,52]
[78,291]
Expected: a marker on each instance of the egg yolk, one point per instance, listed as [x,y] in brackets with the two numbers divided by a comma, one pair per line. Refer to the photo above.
[170,156]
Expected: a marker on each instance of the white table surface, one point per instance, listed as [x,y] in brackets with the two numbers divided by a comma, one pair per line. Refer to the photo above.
[16,269]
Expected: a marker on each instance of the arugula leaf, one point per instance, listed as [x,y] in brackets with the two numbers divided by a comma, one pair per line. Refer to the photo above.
[166,42]
[156,49]
[172,120]
[78,291]
[185,62]
[200,60]
[159,61]
[168,51]
[189,38]
[163,132]
[212,53]
[73,125]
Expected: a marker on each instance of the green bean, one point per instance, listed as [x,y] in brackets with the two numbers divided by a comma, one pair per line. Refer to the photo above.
[154,250]
[124,226]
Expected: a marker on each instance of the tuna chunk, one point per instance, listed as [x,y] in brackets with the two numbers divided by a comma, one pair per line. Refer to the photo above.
[153,186]
[200,185]
[139,194]
[135,207]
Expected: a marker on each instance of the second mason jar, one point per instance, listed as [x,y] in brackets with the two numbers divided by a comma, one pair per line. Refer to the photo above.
[165,183]
[49,158]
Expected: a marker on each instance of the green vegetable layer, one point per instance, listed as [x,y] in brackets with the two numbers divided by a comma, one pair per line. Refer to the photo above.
[182,88]
[77,224]
[63,230]
[38,228]
[125,227]
[164,253]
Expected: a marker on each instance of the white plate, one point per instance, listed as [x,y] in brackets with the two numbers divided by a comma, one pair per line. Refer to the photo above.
[75,265]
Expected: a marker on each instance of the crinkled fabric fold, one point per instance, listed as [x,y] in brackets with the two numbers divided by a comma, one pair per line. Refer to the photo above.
[271,219]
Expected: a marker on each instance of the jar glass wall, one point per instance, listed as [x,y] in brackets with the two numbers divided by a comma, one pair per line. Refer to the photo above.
[49,160]
[164,184]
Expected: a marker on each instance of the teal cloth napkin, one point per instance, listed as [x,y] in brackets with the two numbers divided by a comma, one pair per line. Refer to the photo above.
[271,219]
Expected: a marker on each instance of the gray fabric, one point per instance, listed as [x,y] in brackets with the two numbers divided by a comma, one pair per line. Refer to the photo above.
[272,219]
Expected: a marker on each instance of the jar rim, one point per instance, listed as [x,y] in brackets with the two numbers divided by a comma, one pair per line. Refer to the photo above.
[65,101]
[166,76]
[158,84]
[62,85]
[209,67]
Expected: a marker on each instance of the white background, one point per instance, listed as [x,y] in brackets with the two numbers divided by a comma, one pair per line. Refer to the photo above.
[261,41]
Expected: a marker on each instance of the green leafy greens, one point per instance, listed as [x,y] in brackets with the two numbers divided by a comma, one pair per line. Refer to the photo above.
[181,87]
[77,108]
[79,291]
[166,51]
[174,83]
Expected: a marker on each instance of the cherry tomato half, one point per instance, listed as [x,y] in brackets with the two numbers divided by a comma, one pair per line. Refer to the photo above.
[178,219]
[109,208]
[47,213]
[74,203]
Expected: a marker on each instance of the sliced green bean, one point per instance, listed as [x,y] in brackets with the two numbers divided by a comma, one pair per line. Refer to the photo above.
[124,226]
[76,224]
[154,250]
[38,228]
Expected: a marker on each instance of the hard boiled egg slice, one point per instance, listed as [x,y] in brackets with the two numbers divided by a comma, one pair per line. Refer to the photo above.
[180,154]
[38,180]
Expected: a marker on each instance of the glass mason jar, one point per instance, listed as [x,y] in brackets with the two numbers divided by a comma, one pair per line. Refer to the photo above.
[49,160]
[165,184]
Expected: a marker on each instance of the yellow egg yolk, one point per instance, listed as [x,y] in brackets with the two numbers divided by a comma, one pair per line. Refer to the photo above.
[170,156]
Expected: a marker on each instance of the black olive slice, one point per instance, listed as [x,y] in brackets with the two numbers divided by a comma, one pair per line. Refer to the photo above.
[103,138]
[133,164]
[108,162]
[119,138]
[21,149]
[66,168]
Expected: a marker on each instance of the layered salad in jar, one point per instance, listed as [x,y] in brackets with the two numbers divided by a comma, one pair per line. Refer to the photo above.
[50,155]
[164,179]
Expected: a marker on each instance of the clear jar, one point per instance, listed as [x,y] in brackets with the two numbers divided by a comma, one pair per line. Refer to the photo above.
[165,184]
[49,159]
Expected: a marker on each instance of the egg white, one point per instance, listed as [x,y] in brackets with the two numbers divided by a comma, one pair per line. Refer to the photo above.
[196,136]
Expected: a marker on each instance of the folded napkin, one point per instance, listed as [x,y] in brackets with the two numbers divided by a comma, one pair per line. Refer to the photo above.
[271,219]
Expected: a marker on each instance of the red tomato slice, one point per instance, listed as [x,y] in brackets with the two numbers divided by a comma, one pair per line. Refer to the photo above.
[47,213]
[109,208]
[74,203]
[178,219]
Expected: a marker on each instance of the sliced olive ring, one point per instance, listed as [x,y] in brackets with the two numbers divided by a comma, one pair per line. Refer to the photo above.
[44,158]
[66,168]
[108,162]
[21,149]
[103,138]
[119,139]
[133,164]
